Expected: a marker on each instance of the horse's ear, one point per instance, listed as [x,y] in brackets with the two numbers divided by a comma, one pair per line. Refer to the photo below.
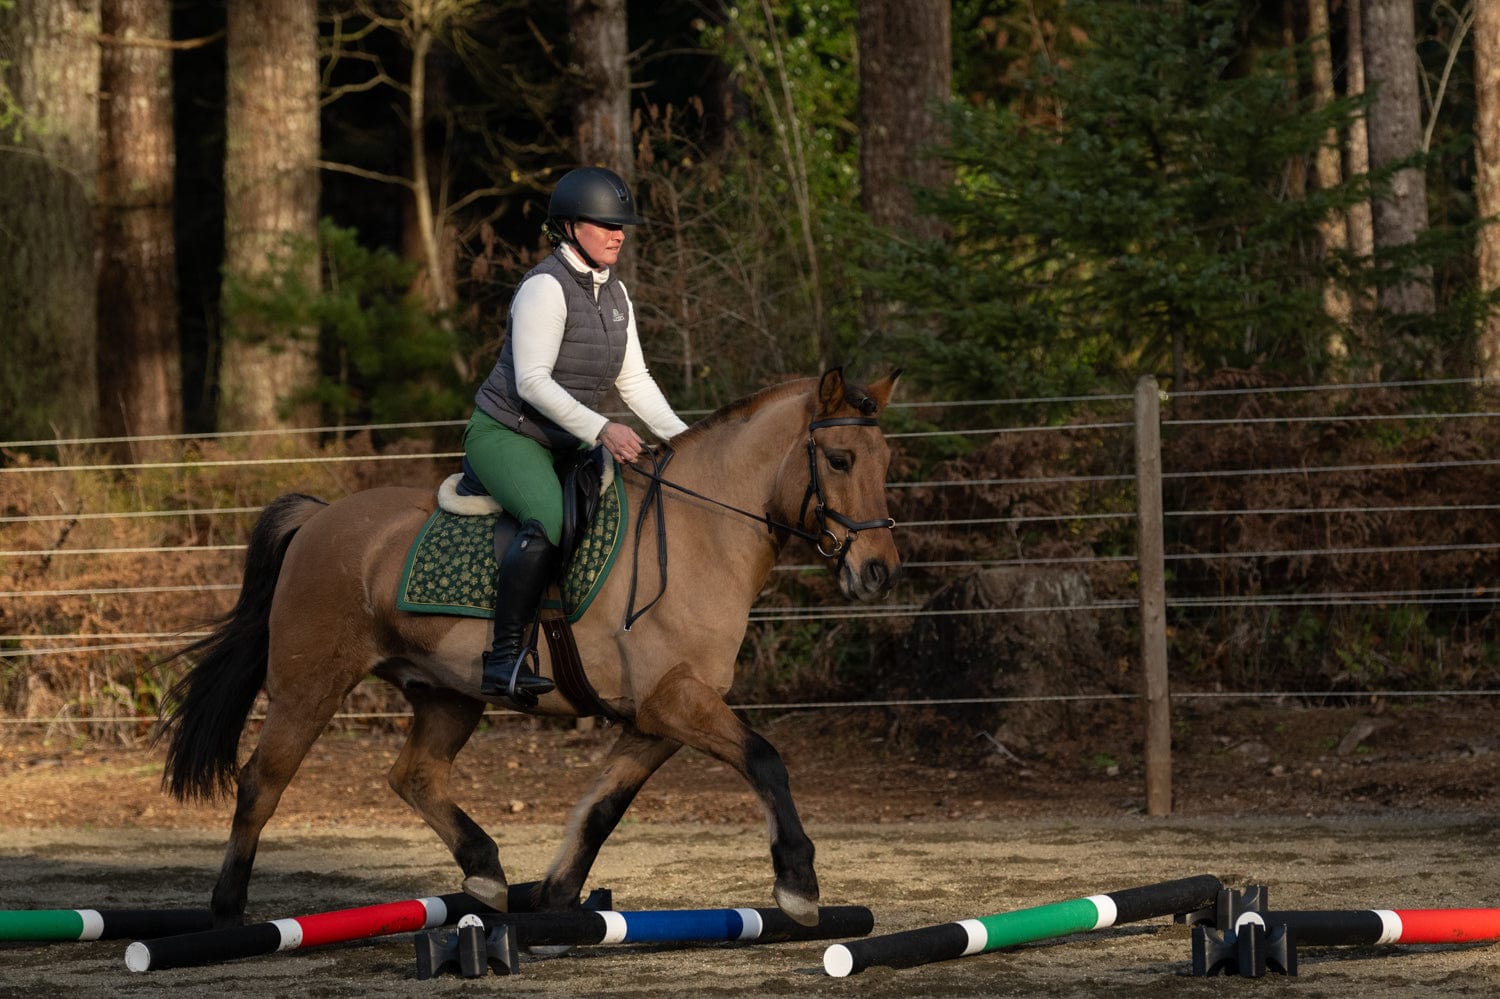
[831,391]
[882,390]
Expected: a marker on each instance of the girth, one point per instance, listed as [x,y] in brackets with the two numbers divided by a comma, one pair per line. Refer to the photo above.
[567,669]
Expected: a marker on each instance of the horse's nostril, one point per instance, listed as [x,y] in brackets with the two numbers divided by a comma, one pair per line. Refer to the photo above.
[876,574]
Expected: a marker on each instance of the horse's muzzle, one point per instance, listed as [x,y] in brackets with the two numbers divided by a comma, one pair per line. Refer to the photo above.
[874,578]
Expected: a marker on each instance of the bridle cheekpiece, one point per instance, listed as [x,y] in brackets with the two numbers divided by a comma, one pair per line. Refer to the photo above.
[823,513]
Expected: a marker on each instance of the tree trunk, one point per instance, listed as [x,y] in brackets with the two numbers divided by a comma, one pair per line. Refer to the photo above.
[1400,213]
[601,96]
[48,186]
[270,195]
[1296,170]
[1487,181]
[1329,169]
[1361,221]
[140,366]
[425,233]
[905,67]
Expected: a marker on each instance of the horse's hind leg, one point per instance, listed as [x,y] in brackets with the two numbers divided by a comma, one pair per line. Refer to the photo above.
[291,726]
[686,709]
[442,722]
[633,758]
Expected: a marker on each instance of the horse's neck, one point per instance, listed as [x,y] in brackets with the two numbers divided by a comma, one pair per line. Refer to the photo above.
[740,463]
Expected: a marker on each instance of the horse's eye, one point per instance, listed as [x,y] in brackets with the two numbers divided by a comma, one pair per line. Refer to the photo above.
[840,462]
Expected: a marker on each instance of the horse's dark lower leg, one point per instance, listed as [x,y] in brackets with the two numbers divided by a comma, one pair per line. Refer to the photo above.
[632,760]
[442,722]
[684,708]
[791,849]
[255,802]
[229,897]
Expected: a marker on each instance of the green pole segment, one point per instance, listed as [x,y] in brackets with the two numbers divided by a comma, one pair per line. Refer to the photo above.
[46,924]
[1007,929]
[100,924]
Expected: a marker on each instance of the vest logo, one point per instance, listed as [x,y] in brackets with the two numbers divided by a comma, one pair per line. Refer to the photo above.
[619,316]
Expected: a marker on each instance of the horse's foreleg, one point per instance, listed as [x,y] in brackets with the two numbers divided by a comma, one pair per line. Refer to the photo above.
[632,760]
[442,722]
[684,708]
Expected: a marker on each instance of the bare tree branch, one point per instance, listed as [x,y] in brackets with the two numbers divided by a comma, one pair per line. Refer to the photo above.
[176,45]
[375,175]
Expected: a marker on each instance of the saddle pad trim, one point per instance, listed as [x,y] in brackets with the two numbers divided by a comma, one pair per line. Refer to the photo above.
[582,602]
[402,601]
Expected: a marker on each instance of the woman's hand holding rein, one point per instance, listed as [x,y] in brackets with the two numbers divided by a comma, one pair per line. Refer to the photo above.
[623,442]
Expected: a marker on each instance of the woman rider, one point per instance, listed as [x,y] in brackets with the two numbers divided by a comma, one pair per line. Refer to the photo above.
[572,335]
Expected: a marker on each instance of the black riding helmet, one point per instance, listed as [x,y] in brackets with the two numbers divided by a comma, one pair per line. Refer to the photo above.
[589,194]
[593,194]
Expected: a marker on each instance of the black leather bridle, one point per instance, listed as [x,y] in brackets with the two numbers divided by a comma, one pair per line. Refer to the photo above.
[822,512]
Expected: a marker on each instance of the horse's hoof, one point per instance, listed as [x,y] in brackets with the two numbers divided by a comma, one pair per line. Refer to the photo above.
[493,892]
[802,909]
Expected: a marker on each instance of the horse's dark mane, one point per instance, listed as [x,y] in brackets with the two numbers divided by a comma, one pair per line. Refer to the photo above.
[743,408]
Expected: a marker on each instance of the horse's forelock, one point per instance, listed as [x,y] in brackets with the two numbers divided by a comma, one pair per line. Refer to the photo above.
[860,400]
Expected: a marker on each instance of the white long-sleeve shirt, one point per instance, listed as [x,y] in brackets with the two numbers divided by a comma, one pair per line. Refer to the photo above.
[537,317]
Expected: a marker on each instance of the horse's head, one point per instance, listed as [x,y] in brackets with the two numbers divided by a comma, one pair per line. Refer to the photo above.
[844,503]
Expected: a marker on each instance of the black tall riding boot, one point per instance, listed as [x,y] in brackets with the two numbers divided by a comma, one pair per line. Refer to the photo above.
[526,568]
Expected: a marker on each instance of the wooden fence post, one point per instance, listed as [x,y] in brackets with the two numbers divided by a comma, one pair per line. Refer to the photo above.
[1151,569]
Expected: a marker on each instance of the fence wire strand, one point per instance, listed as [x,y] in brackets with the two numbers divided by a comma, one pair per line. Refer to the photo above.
[1482,593]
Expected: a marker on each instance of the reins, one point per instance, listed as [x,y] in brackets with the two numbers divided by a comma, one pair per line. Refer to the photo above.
[652,498]
[822,512]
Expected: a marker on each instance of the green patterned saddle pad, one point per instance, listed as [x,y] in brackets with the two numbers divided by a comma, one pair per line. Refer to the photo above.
[451,566]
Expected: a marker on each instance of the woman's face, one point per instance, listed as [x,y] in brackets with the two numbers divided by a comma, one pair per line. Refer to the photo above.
[601,242]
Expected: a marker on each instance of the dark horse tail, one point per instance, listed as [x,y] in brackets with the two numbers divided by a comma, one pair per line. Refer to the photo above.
[210,703]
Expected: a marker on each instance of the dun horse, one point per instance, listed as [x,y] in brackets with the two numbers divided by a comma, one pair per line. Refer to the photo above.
[317,613]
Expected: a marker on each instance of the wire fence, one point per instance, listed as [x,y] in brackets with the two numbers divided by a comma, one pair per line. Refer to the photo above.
[1389,480]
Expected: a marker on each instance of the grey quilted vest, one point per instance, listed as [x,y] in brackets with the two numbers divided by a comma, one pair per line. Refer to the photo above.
[589,361]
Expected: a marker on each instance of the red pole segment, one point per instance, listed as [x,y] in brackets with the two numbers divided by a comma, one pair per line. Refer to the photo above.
[211,946]
[1385,926]
[1448,925]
